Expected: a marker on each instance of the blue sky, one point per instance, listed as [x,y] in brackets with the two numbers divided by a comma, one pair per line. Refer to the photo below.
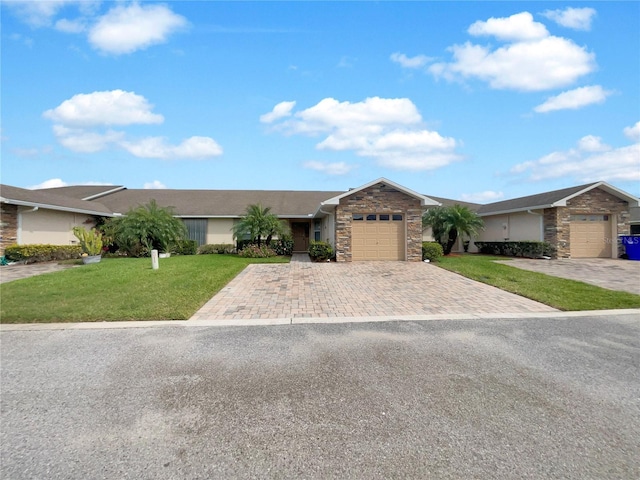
[478,101]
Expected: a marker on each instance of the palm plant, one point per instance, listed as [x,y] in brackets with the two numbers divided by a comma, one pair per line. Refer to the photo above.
[448,222]
[257,223]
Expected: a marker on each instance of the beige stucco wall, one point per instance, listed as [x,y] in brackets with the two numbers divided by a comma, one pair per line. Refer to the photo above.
[219,230]
[329,229]
[49,226]
[516,227]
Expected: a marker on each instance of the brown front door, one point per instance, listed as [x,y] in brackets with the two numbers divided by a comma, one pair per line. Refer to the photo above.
[300,232]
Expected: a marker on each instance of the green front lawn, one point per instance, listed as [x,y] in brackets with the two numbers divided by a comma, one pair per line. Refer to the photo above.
[122,289]
[553,291]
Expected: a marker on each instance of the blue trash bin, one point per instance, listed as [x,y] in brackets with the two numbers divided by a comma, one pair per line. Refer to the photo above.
[632,246]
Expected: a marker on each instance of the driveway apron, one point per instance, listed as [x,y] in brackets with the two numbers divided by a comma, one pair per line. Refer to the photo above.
[614,274]
[359,289]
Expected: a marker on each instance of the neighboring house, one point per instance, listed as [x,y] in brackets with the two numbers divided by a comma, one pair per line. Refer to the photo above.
[582,221]
[380,220]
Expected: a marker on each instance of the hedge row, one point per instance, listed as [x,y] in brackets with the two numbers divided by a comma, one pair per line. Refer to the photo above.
[517,249]
[41,253]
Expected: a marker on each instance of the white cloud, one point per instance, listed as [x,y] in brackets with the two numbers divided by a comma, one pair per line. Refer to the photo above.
[71,26]
[127,28]
[281,110]
[576,18]
[418,61]
[80,124]
[51,183]
[487,196]
[590,160]
[38,13]
[516,27]
[85,141]
[115,107]
[155,185]
[156,147]
[336,168]
[531,62]
[58,182]
[388,130]
[574,99]
[633,133]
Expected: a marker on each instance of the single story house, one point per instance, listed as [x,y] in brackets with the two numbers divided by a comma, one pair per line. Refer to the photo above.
[380,220]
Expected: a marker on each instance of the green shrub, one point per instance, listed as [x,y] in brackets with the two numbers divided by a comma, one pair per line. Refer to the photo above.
[431,251]
[320,251]
[41,253]
[517,249]
[185,247]
[283,246]
[217,248]
[255,251]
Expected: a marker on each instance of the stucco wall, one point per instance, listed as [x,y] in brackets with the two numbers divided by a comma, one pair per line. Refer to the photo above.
[49,226]
[516,227]
[219,230]
[379,199]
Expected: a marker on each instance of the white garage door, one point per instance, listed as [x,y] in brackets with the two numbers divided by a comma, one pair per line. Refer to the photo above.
[590,236]
[378,236]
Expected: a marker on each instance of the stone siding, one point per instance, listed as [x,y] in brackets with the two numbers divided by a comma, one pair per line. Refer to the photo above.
[557,221]
[8,226]
[379,199]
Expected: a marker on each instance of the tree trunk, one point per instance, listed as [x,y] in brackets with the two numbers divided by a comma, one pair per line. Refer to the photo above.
[453,236]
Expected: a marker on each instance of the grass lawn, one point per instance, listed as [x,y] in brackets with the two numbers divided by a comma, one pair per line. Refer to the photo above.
[122,289]
[553,291]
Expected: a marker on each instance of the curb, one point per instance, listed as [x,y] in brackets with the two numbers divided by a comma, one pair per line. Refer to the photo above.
[634,315]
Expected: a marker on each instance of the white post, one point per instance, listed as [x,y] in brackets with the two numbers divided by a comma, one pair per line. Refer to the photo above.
[154,259]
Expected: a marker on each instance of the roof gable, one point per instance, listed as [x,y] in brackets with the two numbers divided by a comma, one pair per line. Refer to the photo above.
[424,201]
[555,198]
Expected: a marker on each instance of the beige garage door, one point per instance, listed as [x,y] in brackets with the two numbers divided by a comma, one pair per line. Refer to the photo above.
[590,236]
[377,236]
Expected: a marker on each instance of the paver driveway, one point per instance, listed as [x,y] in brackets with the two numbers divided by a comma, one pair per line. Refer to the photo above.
[623,275]
[362,289]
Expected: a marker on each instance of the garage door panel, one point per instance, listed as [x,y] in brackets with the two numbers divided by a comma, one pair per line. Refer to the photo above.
[378,240]
[589,239]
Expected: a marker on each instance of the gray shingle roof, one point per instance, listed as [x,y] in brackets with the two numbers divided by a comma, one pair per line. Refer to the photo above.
[45,199]
[545,199]
[448,202]
[81,192]
[206,203]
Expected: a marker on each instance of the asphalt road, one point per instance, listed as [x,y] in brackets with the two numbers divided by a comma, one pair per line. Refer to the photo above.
[534,398]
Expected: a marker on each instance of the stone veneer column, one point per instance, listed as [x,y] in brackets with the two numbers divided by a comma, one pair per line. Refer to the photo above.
[379,199]
[8,226]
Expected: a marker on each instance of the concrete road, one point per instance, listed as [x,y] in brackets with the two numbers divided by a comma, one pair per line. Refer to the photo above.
[534,398]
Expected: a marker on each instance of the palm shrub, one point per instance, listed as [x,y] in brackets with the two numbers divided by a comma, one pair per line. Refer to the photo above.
[148,227]
[259,223]
[448,222]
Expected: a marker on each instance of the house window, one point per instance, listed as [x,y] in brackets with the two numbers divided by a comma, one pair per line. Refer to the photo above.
[317,230]
[397,217]
[589,218]
[196,229]
[358,217]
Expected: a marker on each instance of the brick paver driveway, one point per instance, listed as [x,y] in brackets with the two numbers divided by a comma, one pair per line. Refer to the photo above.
[361,289]
[608,273]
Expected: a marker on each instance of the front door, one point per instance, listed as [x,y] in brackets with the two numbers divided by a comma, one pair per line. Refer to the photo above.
[300,232]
